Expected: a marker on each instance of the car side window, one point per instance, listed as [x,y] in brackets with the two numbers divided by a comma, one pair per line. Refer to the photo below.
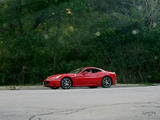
[92,70]
[89,70]
[96,70]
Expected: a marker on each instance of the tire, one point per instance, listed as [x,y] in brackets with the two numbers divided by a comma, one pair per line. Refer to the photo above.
[106,82]
[92,86]
[54,87]
[66,83]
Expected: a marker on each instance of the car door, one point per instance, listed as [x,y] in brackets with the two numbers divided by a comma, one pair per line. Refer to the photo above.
[85,79]
[98,76]
[90,79]
[79,80]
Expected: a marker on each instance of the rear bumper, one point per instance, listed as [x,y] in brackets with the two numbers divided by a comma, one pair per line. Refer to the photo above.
[114,79]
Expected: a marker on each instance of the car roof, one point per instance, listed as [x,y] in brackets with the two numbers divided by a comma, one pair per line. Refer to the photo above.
[93,68]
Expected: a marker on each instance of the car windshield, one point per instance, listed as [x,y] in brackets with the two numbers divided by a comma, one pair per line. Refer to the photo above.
[77,70]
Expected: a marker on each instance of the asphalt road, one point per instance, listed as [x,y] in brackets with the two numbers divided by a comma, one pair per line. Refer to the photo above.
[127,103]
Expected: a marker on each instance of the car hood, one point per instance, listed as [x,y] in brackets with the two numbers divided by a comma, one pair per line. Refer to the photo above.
[62,75]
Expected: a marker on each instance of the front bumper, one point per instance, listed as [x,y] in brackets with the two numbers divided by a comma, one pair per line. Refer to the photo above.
[51,83]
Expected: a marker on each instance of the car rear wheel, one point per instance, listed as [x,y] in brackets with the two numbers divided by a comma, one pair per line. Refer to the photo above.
[66,83]
[106,82]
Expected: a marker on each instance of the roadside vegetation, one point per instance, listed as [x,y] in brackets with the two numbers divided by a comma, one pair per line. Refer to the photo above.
[39,38]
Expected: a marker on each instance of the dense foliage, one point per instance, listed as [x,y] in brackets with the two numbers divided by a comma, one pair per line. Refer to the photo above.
[43,37]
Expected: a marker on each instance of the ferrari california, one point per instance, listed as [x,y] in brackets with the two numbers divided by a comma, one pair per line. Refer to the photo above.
[87,76]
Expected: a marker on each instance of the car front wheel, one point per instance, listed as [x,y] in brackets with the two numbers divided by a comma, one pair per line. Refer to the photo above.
[106,82]
[66,83]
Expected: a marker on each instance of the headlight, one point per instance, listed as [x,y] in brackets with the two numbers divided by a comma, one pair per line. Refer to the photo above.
[54,78]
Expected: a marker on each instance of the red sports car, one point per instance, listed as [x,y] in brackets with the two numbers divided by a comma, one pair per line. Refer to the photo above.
[88,76]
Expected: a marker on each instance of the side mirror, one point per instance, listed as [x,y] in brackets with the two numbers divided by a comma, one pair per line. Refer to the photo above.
[85,72]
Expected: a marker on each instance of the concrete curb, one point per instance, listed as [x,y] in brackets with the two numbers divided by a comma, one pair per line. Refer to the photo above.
[40,87]
[37,87]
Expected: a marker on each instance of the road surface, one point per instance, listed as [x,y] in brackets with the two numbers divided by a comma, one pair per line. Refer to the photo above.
[129,103]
